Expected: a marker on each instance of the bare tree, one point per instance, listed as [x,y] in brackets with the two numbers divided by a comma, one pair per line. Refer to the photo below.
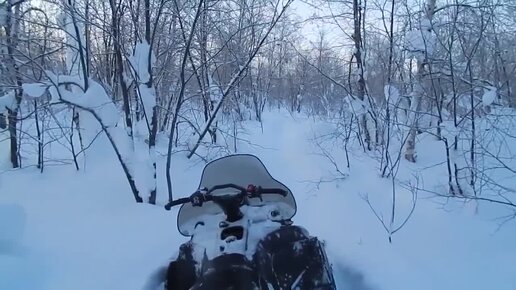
[424,46]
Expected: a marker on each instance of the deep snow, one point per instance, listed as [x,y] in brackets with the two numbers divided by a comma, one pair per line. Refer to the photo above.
[82,230]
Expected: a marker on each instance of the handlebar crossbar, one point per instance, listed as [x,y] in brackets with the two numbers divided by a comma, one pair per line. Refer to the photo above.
[251,191]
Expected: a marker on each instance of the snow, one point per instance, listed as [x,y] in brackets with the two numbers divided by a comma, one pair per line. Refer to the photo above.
[209,245]
[5,157]
[356,106]
[61,20]
[7,101]
[98,110]
[3,15]
[140,65]
[392,94]
[421,41]
[34,90]
[12,223]
[215,90]
[83,229]
[73,56]
[425,24]
[143,162]
[99,115]
[94,98]
[148,96]
[489,96]
[140,61]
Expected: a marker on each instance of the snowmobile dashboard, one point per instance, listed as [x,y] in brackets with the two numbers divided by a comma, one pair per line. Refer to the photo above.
[201,196]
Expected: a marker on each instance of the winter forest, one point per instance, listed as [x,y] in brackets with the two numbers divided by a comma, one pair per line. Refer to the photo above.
[392,121]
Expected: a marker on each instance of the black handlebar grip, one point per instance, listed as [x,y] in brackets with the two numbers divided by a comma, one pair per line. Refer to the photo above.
[177,202]
[273,191]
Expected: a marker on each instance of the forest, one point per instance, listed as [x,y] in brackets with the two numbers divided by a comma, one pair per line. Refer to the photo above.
[423,90]
[192,72]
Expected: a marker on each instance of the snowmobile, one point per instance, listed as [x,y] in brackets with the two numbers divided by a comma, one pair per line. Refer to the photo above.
[242,236]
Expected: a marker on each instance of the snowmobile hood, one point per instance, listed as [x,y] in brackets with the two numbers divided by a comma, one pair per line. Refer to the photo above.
[242,170]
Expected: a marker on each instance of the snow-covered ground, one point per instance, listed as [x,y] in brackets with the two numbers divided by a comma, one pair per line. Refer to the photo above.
[64,230]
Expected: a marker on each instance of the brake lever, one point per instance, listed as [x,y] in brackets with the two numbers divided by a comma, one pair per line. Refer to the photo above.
[254,191]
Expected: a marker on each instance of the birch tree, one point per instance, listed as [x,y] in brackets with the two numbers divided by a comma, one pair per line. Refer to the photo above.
[422,45]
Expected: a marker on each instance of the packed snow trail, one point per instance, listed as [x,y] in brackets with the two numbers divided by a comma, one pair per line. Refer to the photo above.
[83,229]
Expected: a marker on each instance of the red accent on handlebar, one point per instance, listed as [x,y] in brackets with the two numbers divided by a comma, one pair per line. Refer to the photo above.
[251,188]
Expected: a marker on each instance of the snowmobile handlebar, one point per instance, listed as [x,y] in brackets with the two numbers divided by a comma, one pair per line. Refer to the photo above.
[204,195]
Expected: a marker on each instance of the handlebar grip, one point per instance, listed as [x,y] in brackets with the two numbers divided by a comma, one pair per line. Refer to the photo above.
[177,202]
[274,191]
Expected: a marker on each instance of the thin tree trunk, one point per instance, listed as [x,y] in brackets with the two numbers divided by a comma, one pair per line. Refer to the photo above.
[74,155]
[120,66]
[39,136]
[389,97]
[361,91]
[419,90]
[11,32]
[154,118]
[13,135]
[457,189]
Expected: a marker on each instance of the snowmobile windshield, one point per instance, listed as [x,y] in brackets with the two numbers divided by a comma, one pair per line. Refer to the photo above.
[241,170]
